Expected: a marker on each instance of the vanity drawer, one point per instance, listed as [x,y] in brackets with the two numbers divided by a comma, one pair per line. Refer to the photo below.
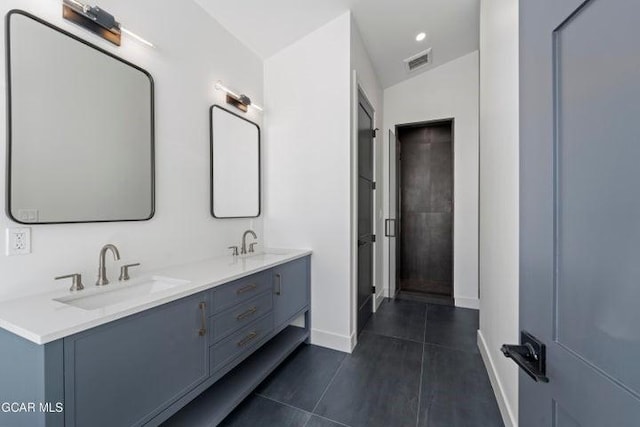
[232,319]
[240,342]
[233,293]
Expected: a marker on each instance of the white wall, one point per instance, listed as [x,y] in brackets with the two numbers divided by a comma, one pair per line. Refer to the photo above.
[192,52]
[307,147]
[448,91]
[364,77]
[499,197]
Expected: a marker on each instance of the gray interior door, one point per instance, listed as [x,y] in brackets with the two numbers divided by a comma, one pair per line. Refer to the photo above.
[580,210]
[366,237]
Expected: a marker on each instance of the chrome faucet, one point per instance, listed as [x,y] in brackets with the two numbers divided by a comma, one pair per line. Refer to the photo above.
[102,271]
[243,251]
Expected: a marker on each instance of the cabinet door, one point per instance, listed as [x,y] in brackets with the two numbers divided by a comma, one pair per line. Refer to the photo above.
[290,289]
[125,372]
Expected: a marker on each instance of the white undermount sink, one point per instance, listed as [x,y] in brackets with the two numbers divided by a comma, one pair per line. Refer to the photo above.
[265,256]
[262,256]
[116,293]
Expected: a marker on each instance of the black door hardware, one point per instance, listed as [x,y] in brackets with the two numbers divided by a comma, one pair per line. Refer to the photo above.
[390,228]
[530,355]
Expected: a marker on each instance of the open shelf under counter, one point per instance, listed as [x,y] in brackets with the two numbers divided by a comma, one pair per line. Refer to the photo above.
[214,404]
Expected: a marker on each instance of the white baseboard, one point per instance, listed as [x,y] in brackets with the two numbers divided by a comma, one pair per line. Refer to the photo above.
[378,299]
[473,303]
[505,410]
[354,341]
[342,343]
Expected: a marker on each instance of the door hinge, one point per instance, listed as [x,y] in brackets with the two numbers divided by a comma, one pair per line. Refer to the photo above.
[373,289]
[374,132]
[373,238]
[373,185]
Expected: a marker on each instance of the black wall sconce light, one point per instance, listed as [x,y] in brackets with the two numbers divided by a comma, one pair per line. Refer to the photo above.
[241,102]
[98,21]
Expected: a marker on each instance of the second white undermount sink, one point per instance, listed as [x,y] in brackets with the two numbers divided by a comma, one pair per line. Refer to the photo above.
[117,293]
[262,257]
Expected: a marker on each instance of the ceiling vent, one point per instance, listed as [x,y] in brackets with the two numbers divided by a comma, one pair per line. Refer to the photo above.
[418,61]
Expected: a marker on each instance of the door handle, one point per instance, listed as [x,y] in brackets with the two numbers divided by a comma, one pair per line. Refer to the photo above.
[530,356]
[387,228]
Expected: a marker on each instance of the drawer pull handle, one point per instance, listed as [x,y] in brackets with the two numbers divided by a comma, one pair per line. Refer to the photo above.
[203,325]
[247,288]
[246,340]
[247,313]
[278,290]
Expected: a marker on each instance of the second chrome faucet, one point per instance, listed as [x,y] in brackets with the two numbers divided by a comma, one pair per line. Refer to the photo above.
[102,270]
[243,249]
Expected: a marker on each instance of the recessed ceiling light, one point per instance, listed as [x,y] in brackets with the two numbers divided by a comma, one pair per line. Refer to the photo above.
[421,37]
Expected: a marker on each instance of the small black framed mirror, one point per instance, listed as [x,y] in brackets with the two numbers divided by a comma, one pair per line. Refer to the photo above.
[235,165]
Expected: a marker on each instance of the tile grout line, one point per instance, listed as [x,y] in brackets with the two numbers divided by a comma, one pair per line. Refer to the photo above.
[300,409]
[392,336]
[426,309]
[313,411]
[328,419]
[447,347]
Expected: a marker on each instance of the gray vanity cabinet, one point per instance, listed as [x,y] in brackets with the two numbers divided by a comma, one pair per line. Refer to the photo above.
[290,290]
[187,362]
[125,372]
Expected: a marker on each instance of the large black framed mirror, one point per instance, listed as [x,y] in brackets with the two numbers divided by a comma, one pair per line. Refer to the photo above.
[235,165]
[80,121]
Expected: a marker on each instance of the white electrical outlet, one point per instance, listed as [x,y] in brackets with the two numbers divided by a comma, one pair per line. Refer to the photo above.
[18,241]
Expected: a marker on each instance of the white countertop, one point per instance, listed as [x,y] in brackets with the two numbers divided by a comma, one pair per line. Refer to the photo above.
[41,319]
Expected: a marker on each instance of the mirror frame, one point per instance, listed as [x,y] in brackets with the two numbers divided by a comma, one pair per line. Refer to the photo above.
[9,119]
[212,187]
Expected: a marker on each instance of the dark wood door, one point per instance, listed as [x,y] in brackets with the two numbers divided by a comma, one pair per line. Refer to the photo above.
[366,238]
[426,188]
[580,210]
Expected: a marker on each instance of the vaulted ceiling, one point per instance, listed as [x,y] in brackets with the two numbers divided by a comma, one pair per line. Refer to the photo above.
[388,27]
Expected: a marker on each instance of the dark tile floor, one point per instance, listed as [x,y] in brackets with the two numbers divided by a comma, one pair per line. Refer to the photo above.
[416,364]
